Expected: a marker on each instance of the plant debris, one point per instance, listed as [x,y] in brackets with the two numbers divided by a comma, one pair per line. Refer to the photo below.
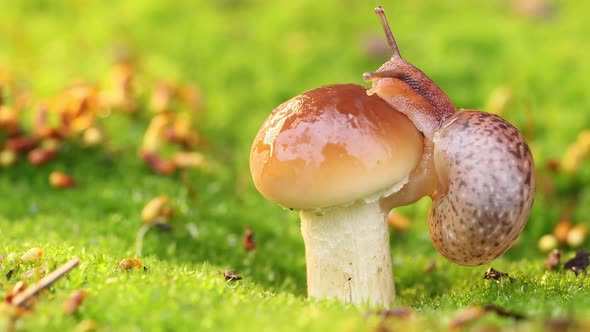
[553,259]
[577,235]
[540,10]
[32,255]
[22,298]
[128,264]
[86,325]
[431,266]
[36,272]
[9,274]
[561,325]
[76,114]
[230,275]
[74,301]
[157,210]
[399,312]
[493,274]
[248,241]
[192,192]
[576,153]
[156,213]
[561,230]
[502,312]
[168,128]
[40,156]
[547,243]
[472,313]
[398,222]
[499,100]
[564,233]
[18,288]
[192,230]
[466,316]
[183,159]
[385,315]
[62,180]
[579,263]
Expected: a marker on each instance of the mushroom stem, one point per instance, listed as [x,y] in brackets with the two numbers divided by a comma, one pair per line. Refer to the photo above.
[347,254]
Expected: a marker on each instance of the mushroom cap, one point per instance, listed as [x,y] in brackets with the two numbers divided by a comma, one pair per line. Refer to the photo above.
[332,146]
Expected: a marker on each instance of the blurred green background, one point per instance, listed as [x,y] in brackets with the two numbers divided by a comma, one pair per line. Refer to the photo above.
[247,57]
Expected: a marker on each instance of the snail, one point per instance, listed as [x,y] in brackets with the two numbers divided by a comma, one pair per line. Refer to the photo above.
[344,156]
[484,167]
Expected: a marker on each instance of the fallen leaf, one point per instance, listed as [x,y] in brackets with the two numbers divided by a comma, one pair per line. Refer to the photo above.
[230,275]
[579,263]
[74,302]
[496,275]
[553,259]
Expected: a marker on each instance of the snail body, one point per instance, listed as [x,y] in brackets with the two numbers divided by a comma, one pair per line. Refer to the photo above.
[483,166]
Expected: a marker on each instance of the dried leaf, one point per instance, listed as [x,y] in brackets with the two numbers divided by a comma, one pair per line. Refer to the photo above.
[431,266]
[466,316]
[547,243]
[24,297]
[40,156]
[399,312]
[86,325]
[579,263]
[577,235]
[553,259]
[248,242]
[561,230]
[496,275]
[74,302]
[9,274]
[7,158]
[156,210]
[130,263]
[62,180]
[20,143]
[398,221]
[32,255]
[37,272]
[230,275]
[502,312]
[18,288]
[187,159]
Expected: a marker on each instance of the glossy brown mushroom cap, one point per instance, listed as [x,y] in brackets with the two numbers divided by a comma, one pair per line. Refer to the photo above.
[331,146]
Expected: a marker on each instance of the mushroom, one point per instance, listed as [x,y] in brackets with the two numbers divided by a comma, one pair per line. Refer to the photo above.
[337,157]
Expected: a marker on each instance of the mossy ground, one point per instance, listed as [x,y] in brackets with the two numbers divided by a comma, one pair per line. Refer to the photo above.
[247,57]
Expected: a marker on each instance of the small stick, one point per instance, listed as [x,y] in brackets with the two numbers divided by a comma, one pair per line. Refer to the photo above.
[45,282]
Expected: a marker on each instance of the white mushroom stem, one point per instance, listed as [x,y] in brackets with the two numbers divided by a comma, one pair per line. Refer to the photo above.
[347,254]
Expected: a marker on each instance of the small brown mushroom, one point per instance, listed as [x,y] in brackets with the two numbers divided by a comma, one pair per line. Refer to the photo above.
[333,153]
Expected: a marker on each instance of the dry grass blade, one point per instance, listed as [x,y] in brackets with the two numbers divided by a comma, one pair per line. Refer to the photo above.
[47,281]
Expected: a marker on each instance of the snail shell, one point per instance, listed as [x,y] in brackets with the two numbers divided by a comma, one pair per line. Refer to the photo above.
[486,187]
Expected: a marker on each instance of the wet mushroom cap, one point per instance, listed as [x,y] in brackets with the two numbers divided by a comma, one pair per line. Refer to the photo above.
[331,146]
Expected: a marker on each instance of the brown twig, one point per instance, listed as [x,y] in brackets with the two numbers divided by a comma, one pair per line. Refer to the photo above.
[45,282]
[503,313]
